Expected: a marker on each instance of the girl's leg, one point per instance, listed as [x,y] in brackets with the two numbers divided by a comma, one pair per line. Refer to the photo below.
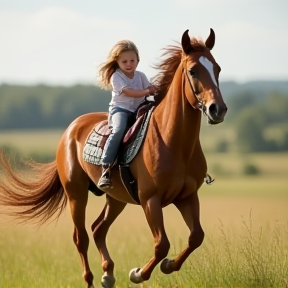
[119,120]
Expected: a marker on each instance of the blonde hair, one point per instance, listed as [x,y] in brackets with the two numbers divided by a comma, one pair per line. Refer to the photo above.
[111,65]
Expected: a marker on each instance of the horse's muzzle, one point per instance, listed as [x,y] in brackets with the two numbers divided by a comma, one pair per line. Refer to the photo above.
[216,113]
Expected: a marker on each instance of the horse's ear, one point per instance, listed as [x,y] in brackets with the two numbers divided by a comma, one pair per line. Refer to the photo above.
[186,43]
[210,40]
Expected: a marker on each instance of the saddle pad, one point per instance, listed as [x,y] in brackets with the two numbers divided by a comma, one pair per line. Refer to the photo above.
[93,149]
[95,142]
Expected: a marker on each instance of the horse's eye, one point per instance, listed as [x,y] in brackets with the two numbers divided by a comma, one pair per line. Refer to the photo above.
[193,73]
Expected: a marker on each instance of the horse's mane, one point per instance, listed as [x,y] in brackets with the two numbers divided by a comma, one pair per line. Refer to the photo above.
[172,57]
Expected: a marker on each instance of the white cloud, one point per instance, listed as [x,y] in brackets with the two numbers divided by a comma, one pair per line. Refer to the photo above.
[53,39]
[62,45]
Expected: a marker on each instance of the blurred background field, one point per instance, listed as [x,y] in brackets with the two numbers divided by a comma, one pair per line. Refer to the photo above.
[244,214]
[42,145]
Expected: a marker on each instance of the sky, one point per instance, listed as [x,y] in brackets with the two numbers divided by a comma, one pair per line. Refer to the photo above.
[63,42]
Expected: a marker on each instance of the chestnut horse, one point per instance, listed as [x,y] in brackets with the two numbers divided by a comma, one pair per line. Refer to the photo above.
[188,81]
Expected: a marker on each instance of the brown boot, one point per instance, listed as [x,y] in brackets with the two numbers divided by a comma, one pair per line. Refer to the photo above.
[105,180]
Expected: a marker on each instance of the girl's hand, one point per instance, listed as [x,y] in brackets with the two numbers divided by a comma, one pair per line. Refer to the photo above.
[152,90]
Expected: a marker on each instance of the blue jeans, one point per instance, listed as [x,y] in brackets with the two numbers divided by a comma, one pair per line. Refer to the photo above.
[118,122]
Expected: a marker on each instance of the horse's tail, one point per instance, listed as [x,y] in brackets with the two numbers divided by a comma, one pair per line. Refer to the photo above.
[34,199]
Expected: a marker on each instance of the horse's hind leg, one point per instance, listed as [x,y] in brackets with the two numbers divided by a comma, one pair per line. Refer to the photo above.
[100,228]
[189,208]
[78,200]
[75,183]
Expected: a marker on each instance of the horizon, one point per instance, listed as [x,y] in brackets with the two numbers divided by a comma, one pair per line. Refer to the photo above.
[25,84]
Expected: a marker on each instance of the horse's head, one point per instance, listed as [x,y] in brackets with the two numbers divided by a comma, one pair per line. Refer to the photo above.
[201,74]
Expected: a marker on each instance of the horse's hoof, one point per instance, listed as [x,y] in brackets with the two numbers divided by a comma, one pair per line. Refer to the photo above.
[167,266]
[135,275]
[107,281]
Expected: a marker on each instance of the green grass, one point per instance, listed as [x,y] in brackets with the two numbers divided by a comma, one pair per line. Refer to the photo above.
[254,258]
[245,244]
[245,220]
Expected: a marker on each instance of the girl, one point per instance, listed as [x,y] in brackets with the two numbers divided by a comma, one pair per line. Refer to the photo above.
[129,88]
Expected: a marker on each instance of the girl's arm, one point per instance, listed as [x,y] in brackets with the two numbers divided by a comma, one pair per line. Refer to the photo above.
[136,93]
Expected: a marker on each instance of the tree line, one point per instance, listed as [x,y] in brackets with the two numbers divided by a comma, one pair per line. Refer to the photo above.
[260,124]
[254,114]
[41,106]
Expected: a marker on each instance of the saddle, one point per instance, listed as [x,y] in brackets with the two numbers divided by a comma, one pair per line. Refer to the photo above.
[129,147]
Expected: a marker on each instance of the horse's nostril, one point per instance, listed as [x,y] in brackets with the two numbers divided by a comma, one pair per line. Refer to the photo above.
[213,109]
[217,110]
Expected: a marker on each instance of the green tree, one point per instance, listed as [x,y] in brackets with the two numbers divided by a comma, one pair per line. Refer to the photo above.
[249,130]
[239,102]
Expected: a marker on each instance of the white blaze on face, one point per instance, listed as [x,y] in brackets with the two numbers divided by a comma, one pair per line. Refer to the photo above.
[209,66]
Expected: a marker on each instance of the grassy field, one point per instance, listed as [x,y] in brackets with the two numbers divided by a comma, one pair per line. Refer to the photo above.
[31,141]
[246,226]
[245,219]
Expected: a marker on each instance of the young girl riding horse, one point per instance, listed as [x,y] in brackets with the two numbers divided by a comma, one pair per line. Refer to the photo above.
[129,88]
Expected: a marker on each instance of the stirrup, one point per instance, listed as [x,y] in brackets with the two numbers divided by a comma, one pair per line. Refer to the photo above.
[208,179]
[105,180]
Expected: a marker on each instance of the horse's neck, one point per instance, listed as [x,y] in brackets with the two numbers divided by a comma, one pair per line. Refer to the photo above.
[178,122]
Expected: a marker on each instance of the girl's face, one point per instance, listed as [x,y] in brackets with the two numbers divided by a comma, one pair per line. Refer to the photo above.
[127,62]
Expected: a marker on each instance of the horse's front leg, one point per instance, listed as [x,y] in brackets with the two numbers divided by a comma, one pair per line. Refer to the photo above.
[100,228]
[154,215]
[189,208]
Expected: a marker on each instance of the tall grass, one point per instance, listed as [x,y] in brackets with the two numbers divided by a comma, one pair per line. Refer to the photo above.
[252,258]
[251,253]
[228,259]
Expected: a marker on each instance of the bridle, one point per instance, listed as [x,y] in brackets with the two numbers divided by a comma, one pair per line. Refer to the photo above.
[200,103]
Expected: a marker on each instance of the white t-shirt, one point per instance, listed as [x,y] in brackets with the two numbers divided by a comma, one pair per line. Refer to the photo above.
[119,81]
